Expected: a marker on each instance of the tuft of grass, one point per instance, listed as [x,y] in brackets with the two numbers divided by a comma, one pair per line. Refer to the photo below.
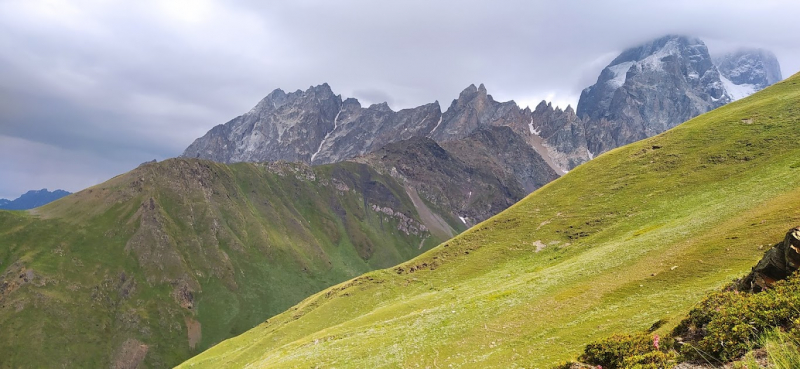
[783,349]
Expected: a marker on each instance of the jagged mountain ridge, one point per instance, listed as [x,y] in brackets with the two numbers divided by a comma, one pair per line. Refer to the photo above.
[318,127]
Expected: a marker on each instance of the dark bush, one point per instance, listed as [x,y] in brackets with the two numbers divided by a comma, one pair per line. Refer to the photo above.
[611,352]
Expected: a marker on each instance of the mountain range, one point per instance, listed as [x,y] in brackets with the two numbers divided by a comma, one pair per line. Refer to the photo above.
[32,199]
[317,126]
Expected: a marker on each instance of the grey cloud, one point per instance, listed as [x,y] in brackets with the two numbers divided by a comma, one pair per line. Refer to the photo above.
[115,84]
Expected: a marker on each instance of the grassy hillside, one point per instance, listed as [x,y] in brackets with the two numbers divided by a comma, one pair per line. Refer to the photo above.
[637,235]
[162,262]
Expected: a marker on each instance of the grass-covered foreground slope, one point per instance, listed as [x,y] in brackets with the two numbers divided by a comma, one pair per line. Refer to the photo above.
[639,234]
[162,262]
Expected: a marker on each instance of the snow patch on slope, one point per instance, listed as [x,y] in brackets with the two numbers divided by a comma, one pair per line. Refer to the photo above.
[620,72]
[654,61]
[735,91]
[534,131]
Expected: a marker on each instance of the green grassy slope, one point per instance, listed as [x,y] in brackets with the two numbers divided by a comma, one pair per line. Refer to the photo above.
[636,235]
[188,250]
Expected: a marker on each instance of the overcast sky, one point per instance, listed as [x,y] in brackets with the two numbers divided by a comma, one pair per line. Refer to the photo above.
[90,89]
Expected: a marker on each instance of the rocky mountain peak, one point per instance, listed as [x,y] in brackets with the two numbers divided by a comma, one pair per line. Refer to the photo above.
[466,95]
[351,103]
[273,100]
[679,60]
[276,95]
[323,88]
[623,107]
[542,106]
[657,85]
[474,108]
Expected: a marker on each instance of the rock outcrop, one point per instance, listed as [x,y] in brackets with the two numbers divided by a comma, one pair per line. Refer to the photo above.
[778,263]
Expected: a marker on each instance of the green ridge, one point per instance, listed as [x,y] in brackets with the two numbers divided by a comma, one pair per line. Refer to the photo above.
[89,279]
[639,234]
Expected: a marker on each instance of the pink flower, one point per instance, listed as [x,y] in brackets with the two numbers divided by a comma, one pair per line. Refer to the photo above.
[656,339]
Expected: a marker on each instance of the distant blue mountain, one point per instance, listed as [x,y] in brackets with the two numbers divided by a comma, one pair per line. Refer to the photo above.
[32,199]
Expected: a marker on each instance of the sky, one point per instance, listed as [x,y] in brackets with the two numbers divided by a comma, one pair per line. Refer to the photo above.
[91,89]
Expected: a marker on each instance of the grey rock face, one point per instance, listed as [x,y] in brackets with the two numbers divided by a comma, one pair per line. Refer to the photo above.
[746,71]
[552,133]
[500,147]
[562,134]
[280,127]
[363,130]
[651,88]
